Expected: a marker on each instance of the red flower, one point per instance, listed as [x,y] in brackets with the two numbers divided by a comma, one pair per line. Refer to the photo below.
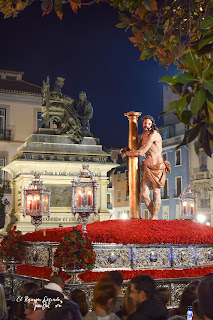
[89,276]
[69,253]
[12,246]
[135,231]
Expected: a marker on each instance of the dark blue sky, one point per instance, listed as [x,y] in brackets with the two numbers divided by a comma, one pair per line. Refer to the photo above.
[92,55]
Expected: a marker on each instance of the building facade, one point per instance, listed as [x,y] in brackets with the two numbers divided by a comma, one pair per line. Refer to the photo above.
[20,116]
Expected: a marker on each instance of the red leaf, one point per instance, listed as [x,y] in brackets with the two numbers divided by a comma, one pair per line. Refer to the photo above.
[74,6]
[162,52]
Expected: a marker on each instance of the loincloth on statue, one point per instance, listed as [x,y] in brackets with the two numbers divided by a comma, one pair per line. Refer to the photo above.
[156,174]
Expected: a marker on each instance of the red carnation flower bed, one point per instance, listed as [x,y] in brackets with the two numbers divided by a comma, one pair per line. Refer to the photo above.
[38,272]
[135,231]
[89,276]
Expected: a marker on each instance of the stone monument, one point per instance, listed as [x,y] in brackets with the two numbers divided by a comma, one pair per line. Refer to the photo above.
[63,115]
[57,152]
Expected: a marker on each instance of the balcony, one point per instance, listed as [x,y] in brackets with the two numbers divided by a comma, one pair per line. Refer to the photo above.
[5,134]
[6,185]
[202,175]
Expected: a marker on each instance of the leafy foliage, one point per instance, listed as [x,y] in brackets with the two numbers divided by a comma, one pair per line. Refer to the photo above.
[170,31]
[195,107]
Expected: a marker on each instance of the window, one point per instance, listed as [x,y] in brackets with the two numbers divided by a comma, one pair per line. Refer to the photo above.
[205,198]
[203,161]
[2,122]
[108,198]
[126,195]
[178,181]
[39,119]
[164,134]
[126,174]
[118,176]
[178,158]
[119,195]
[2,173]
[145,214]
[165,190]
[164,156]
[11,77]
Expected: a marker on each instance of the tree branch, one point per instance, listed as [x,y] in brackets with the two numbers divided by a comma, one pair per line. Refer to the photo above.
[88,3]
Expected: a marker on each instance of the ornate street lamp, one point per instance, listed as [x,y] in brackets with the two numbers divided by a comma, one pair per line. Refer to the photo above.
[36,201]
[84,196]
[188,204]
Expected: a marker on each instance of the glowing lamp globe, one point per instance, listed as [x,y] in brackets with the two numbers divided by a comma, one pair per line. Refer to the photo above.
[36,201]
[188,204]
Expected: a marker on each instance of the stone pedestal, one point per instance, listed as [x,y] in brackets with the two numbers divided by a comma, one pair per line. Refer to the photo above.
[58,160]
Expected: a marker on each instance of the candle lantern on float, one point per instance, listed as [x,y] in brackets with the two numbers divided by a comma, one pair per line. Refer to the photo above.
[36,201]
[84,196]
[188,204]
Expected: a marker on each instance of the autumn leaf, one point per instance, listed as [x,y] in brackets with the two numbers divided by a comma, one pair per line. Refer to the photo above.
[58,9]
[74,6]
[162,52]
[20,6]
[133,39]
[47,7]
[140,11]
[154,6]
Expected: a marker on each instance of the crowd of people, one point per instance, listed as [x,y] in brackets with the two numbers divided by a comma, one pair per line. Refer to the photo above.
[142,301]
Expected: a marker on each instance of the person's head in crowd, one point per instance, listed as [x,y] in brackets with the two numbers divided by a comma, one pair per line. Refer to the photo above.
[2,267]
[104,297]
[205,296]
[197,314]
[163,293]
[176,317]
[79,297]
[142,288]
[68,311]
[39,300]
[117,278]
[3,305]
[27,287]
[56,282]
[188,296]
[128,304]
[17,307]
[194,283]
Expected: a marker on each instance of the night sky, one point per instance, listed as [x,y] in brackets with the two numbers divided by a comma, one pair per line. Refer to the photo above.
[92,55]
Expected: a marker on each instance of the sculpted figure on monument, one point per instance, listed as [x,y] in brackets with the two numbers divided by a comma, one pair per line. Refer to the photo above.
[58,112]
[84,112]
[153,167]
[56,89]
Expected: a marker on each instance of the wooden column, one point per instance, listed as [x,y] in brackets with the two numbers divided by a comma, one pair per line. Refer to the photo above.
[134,170]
